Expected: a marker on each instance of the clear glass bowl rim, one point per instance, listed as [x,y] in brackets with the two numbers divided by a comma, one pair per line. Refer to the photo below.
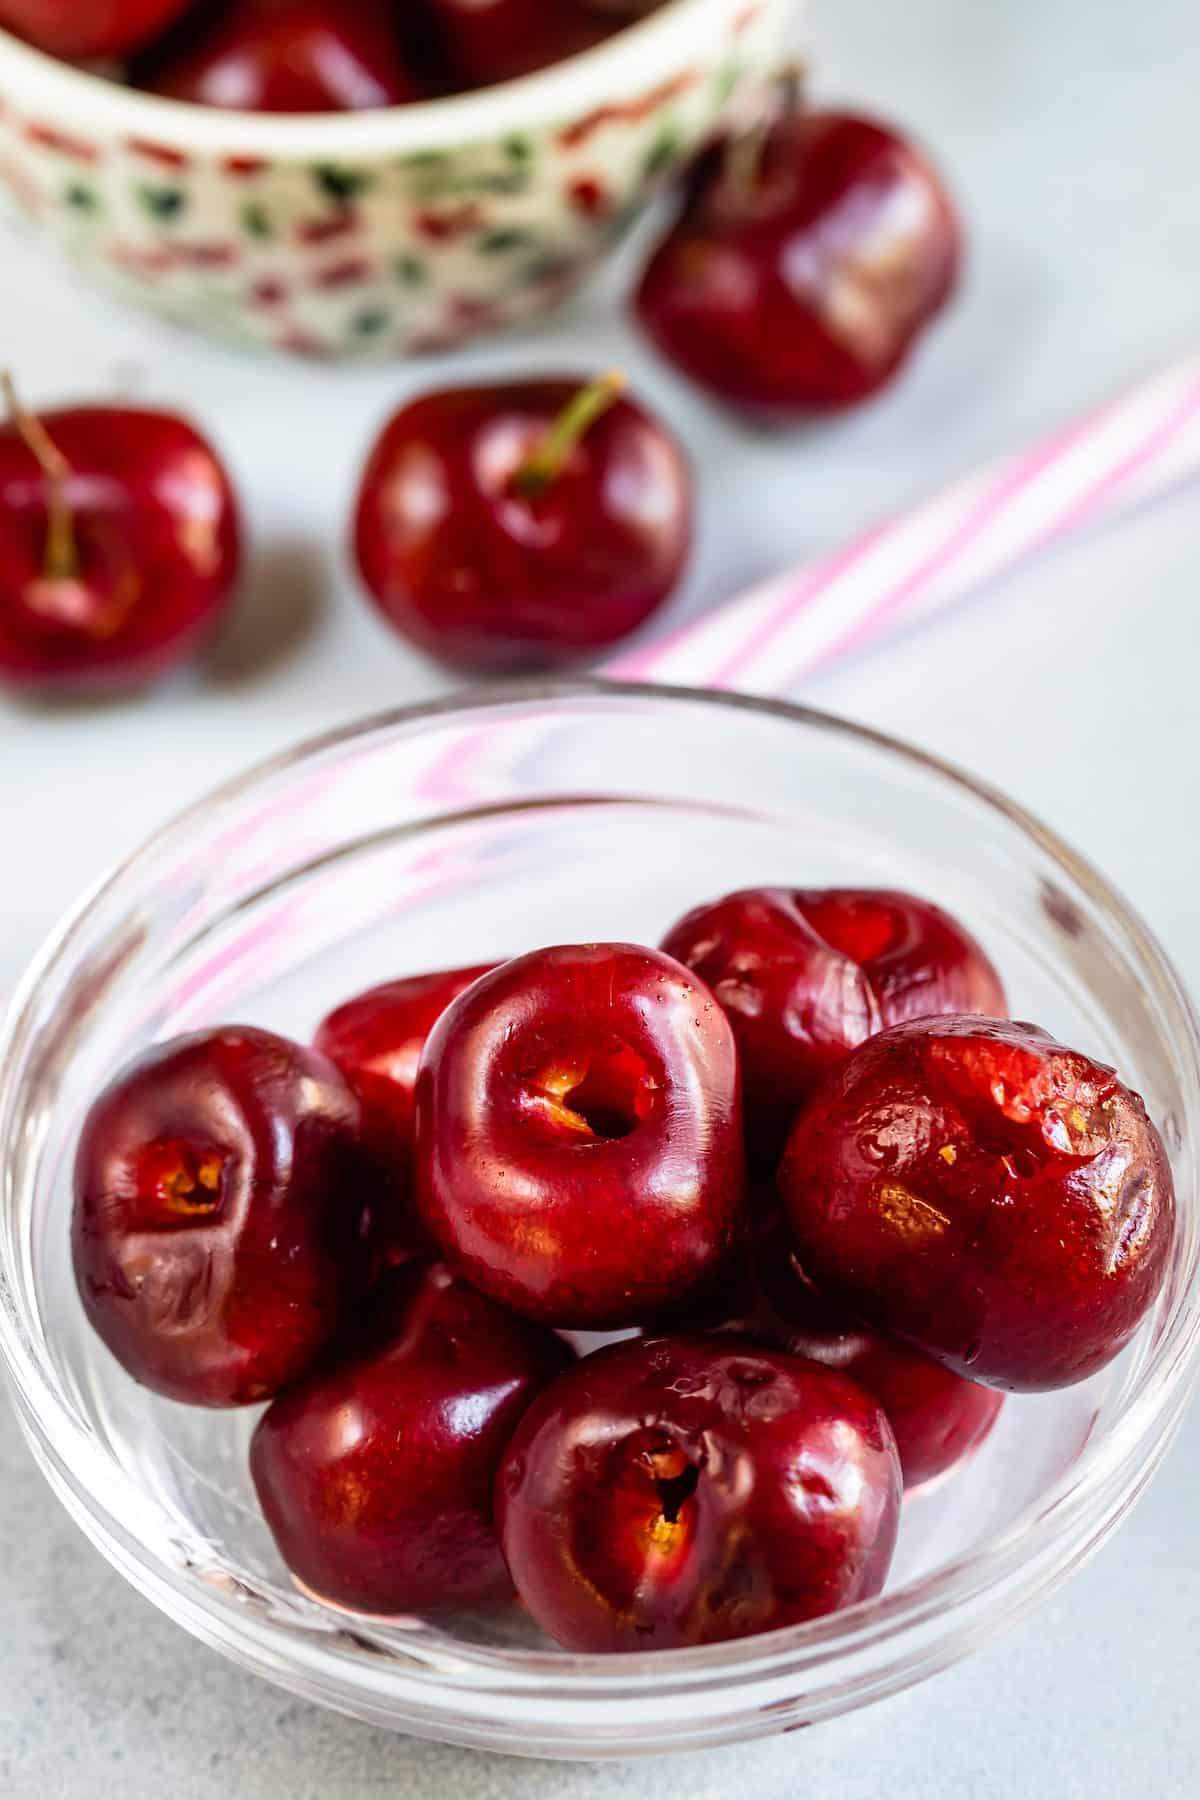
[1006,1575]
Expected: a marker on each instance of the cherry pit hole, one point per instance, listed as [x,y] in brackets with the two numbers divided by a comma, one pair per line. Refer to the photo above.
[675,1481]
[605,1097]
[180,1182]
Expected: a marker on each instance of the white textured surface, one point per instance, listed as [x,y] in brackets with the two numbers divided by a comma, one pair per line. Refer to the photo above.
[1073,134]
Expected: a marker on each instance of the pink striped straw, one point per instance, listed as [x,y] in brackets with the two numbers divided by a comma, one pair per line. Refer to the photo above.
[913,565]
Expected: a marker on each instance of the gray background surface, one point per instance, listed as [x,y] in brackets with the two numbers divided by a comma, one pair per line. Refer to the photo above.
[1072,131]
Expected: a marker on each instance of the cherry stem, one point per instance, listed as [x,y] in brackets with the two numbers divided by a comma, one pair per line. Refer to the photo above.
[744,158]
[543,466]
[61,560]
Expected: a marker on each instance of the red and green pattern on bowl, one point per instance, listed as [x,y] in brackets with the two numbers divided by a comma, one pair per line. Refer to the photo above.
[267,232]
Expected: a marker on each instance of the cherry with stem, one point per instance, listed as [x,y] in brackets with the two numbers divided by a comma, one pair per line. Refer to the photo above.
[805,263]
[525,524]
[119,545]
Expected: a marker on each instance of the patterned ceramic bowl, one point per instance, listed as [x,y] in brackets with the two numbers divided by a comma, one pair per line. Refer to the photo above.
[375,233]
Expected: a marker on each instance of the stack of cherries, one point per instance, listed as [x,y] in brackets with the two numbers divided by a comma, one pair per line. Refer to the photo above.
[313,56]
[842,1200]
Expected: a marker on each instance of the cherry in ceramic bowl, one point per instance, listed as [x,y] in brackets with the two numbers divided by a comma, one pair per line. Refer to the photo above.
[381,233]
[470,831]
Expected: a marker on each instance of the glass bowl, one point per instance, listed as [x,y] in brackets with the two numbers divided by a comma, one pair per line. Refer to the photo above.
[457,832]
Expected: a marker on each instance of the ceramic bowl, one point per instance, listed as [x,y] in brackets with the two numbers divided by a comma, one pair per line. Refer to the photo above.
[384,233]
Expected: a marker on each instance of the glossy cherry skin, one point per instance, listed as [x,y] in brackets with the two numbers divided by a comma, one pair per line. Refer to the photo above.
[579,1135]
[157,537]
[217,1231]
[999,1201]
[376,1472]
[801,287]
[376,1040]
[486,41]
[488,578]
[687,1490]
[284,56]
[937,1417]
[807,974]
[80,29]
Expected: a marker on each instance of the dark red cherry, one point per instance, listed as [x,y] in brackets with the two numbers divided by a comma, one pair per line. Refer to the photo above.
[686,1490]
[936,1416]
[807,974]
[579,1137]
[376,1472]
[80,29]
[376,1040]
[485,41]
[522,525]
[999,1201]
[284,56]
[803,267]
[918,959]
[217,1231]
[119,546]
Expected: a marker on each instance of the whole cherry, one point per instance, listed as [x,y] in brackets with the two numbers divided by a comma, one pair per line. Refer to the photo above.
[284,56]
[804,265]
[936,1416]
[376,1472]
[79,29]
[579,1135]
[807,974]
[376,1040]
[217,1230]
[996,1199]
[119,546]
[486,41]
[687,1490]
[524,524]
